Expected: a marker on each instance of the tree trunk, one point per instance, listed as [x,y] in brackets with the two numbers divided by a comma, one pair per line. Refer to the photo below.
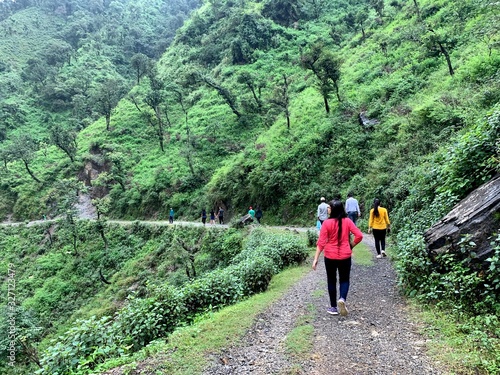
[417,8]
[160,127]
[29,171]
[327,106]
[447,57]
[337,91]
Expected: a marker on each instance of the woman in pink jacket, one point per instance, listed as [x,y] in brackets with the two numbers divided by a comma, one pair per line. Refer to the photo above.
[335,241]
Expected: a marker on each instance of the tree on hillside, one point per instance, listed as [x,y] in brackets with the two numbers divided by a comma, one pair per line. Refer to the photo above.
[281,98]
[65,196]
[191,245]
[185,102]
[141,65]
[227,95]
[65,139]
[417,8]
[284,12]
[118,172]
[5,155]
[254,84]
[106,96]
[436,44]
[37,72]
[326,67]
[337,35]
[11,117]
[155,99]
[356,18]
[316,7]
[23,147]
[102,206]
[58,52]
[378,5]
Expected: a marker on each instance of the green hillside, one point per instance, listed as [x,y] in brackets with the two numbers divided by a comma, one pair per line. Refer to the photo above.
[217,102]
[270,103]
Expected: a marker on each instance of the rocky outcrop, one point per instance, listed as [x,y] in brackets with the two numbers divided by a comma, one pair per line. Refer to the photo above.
[477,215]
[366,122]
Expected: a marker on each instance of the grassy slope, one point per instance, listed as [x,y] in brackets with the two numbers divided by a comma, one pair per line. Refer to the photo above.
[32,32]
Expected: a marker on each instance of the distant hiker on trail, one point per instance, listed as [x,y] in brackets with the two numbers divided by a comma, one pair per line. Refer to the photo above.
[171,216]
[221,215]
[322,210]
[251,212]
[380,225]
[335,241]
[212,217]
[203,216]
[258,214]
[352,208]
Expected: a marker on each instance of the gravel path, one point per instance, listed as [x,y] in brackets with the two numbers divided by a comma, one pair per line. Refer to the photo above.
[376,337]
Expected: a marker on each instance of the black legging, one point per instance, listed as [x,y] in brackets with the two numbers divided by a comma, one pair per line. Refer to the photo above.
[379,235]
[344,267]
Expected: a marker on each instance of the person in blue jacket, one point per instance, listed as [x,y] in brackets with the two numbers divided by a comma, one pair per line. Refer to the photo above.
[171,216]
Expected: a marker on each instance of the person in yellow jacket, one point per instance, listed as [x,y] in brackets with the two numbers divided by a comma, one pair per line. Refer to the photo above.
[379,224]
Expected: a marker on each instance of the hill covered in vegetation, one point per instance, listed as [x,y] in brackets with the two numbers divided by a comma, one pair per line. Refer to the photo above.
[269,103]
[255,103]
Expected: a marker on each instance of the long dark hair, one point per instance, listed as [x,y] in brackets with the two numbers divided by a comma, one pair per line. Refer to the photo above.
[337,211]
[376,204]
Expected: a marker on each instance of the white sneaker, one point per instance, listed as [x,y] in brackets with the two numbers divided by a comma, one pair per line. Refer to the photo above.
[384,254]
[379,256]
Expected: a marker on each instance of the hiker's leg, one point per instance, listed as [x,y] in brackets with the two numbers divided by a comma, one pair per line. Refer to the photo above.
[383,232]
[344,276]
[377,237]
[331,278]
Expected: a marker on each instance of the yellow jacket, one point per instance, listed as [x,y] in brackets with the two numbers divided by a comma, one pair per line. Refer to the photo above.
[380,222]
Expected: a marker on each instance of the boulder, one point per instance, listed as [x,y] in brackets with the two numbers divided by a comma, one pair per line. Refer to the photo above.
[477,215]
[366,122]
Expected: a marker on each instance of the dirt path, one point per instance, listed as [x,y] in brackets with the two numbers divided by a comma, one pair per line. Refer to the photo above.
[376,337]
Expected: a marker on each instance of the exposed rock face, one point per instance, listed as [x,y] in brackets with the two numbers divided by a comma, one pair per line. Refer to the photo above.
[367,122]
[94,166]
[477,214]
[86,209]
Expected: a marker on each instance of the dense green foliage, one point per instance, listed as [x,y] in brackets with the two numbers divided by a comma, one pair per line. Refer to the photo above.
[206,126]
[142,302]
[55,285]
[264,103]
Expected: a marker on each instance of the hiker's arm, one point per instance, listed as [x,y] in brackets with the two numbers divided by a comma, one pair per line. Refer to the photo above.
[316,257]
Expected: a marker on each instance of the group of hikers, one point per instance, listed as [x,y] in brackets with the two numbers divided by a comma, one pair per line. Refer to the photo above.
[213,213]
[338,235]
[219,213]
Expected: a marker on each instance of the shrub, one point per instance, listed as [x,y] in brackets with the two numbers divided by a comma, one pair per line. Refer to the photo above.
[216,289]
[255,274]
[143,320]
[312,237]
[84,346]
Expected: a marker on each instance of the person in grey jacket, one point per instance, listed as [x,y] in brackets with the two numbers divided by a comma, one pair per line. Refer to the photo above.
[322,210]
